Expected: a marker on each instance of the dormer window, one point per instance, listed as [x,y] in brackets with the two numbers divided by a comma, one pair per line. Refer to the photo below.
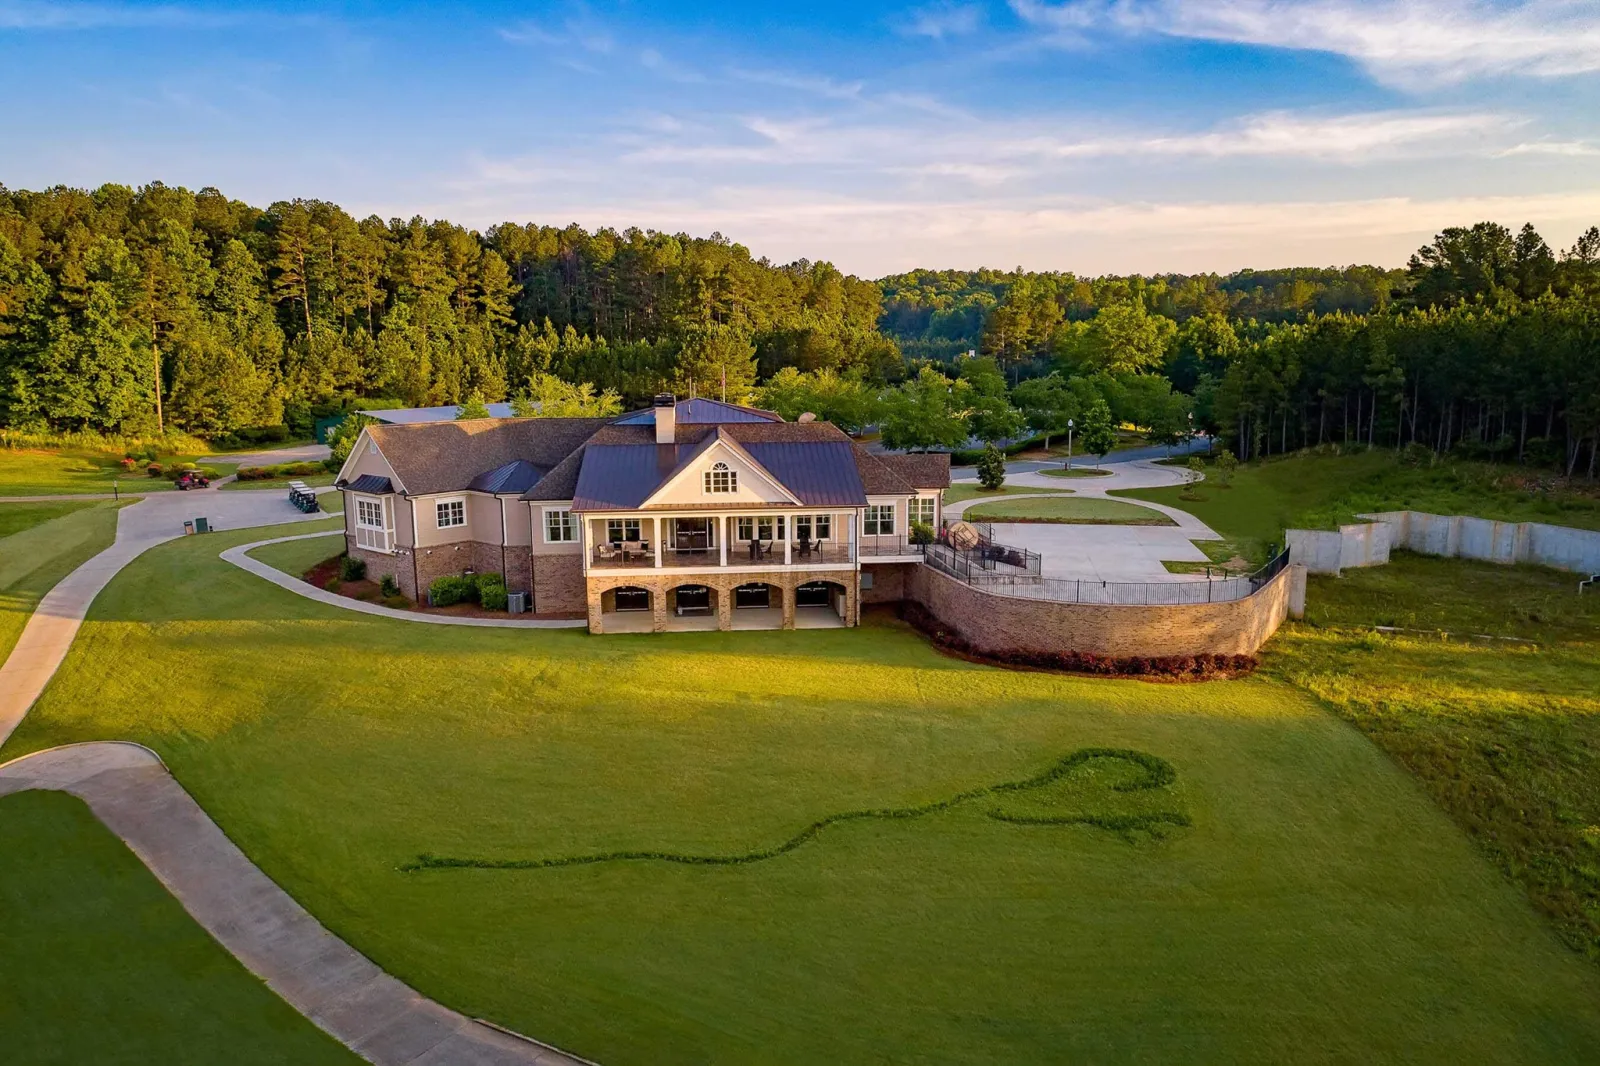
[720,479]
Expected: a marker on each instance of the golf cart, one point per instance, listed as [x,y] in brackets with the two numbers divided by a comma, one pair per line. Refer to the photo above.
[193,479]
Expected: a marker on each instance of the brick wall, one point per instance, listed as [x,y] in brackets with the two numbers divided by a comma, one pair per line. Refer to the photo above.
[888,581]
[379,564]
[558,584]
[997,625]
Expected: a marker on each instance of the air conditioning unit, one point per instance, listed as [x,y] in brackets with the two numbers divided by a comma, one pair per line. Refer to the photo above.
[516,602]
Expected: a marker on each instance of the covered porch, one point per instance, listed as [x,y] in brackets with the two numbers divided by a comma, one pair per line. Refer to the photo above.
[696,541]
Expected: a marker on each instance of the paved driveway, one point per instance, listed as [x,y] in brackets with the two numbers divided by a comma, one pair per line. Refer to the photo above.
[300,453]
[1107,553]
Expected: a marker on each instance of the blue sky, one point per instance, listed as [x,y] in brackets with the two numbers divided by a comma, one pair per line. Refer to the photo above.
[1084,135]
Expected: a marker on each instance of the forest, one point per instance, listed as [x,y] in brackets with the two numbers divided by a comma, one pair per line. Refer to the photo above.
[139,312]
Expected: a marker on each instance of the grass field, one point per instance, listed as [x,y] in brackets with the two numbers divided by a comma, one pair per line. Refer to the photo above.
[1074,510]
[1320,491]
[25,472]
[280,484]
[1317,908]
[962,493]
[101,965]
[16,517]
[35,558]
[1075,472]
[1505,734]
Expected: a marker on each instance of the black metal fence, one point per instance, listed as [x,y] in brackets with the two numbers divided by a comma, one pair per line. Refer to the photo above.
[1002,570]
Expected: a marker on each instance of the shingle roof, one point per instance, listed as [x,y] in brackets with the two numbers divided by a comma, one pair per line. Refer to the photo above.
[879,478]
[446,456]
[930,470]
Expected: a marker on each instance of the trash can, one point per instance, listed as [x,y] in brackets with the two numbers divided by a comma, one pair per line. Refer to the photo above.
[188,528]
[202,525]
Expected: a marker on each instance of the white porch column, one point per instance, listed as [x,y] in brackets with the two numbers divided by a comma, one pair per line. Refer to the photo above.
[722,538]
[656,540]
[788,538]
[850,527]
[583,540]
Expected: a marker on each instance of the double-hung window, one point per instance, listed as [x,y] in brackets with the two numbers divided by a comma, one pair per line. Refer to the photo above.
[559,528]
[807,526]
[822,524]
[747,529]
[922,509]
[372,526]
[721,479]
[879,520]
[451,513]
[619,530]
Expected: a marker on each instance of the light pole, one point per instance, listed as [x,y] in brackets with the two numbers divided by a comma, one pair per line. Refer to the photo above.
[1069,444]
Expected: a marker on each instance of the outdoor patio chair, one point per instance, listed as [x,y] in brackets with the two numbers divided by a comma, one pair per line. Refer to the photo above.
[607,551]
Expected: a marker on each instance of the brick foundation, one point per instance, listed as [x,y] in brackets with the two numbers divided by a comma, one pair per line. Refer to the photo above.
[1001,625]
[558,584]
[888,581]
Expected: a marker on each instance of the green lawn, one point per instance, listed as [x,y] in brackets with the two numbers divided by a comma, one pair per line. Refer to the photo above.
[101,965]
[26,472]
[1077,471]
[1320,491]
[1318,907]
[16,517]
[34,559]
[962,493]
[1504,734]
[280,484]
[1077,510]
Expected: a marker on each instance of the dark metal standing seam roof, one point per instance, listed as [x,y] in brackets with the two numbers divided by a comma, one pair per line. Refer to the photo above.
[700,412]
[819,473]
[519,475]
[620,477]
[371,483]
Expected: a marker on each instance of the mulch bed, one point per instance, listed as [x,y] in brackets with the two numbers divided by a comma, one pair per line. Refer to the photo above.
[1139,668]
[369,591]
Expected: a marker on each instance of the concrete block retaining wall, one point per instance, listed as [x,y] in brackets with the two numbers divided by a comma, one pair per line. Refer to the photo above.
[1327,552]
[1465,537]
[1001,625]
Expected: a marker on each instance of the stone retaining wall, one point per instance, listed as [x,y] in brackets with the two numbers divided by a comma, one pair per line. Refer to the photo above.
[1001,625]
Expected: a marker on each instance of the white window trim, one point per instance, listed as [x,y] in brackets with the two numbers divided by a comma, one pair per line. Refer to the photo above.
[872,513]
[708,479]
[379,538]
[917,505]
[571,524]
[445,501]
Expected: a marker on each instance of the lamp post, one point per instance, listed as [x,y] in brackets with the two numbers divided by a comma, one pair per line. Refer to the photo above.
[1069,444]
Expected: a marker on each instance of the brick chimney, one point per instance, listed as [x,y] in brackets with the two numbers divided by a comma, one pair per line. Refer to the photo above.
[666,406]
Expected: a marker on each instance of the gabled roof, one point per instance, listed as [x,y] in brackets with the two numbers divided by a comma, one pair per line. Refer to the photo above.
[622,466]
[434,457]
[701,412]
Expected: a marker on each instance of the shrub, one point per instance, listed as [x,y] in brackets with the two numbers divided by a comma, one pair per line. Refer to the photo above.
[129,463]
[921,533]
[492,592]
[992,468]
[154,470]
[254,473]
[352,568]
[331,466]
[389,586]
[297,469]
[332,584]
[450,589]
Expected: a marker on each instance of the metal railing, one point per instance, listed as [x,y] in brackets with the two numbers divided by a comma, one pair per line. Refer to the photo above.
[994,568]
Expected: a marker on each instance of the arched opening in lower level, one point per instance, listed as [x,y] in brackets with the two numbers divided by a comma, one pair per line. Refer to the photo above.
[821,604]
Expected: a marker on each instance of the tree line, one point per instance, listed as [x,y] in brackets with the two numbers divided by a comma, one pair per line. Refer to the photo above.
[133,311]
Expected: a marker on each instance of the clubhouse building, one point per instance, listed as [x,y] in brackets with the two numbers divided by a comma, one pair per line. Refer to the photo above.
[691,514]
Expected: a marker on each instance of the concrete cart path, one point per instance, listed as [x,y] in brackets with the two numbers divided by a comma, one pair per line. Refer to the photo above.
[239,556]
[141,526]
[336,987]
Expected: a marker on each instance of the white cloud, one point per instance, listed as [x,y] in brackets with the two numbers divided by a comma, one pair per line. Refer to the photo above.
[580,31]
[942,20]
[806,83]
[1402,41]
[1557,148]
